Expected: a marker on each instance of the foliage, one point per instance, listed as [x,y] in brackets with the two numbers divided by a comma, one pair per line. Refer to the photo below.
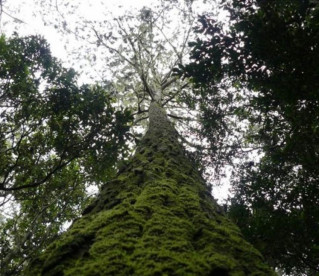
[55,139]
[270,51]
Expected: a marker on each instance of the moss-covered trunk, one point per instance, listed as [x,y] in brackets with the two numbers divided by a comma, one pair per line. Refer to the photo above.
[156,218]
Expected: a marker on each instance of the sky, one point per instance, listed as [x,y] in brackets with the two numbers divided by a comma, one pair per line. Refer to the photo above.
[39,17]
[34,13]
[32,21]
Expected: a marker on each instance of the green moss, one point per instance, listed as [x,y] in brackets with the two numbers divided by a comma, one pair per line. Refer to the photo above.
[156,218]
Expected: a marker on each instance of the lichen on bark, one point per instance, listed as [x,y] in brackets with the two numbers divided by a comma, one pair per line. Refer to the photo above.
[156,218]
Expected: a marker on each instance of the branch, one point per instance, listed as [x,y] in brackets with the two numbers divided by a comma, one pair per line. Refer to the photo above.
[35,184]
[100,39]
[177,117]
[14,18]
[140,112]
[147,88]
[174,94]
[140,119]
[167,83]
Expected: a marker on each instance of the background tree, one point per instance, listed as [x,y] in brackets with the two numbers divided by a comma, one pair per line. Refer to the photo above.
[269,53]
[56,139]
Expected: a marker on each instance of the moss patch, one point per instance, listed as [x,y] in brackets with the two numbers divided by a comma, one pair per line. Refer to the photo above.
[156,218]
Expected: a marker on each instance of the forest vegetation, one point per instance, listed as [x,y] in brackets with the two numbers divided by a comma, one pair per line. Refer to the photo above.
[131,158]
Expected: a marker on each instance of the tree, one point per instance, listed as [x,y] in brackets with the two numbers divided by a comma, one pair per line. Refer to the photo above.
[156,217]
[269,55]
[197,229]
[55,139]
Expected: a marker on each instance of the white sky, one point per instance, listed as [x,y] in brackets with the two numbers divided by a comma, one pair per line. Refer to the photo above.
[29,12]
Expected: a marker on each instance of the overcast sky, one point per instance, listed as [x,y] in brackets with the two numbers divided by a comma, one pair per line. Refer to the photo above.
[29,12]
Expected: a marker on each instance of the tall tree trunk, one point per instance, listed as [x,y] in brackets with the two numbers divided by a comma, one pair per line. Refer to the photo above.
[156,218]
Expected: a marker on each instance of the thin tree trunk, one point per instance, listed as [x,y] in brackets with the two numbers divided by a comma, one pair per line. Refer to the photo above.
[156,218]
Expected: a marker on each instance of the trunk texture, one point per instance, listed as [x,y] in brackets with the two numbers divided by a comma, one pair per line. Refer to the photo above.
[156,218]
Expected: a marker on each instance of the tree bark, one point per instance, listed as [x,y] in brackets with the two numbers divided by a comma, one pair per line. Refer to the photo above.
[156,218]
